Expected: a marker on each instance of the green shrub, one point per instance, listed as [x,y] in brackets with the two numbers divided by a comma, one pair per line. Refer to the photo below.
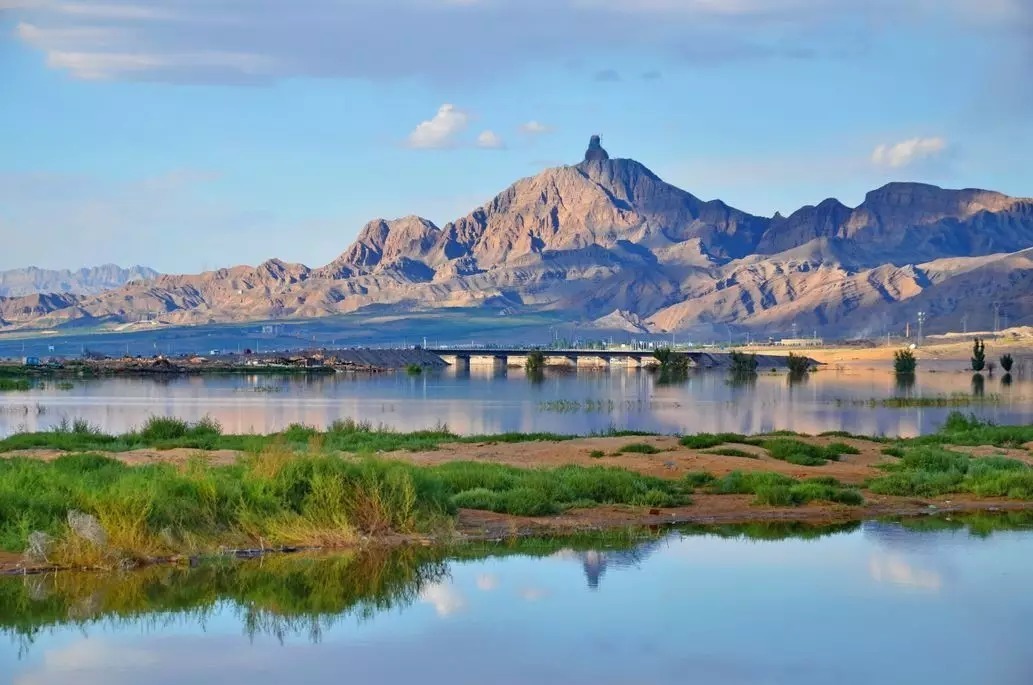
[697,479]
[159,428]
[706,440]
[742,364]
[597,454]
[841,448]
[1007,362]
[639,448]
[904,362]
[535,361]
[742,483]
[527,502]
[732,452]
[797,452]
[15,384]
[798,365]
[978,355]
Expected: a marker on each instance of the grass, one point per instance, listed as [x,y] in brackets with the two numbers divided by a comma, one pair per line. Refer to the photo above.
[597,454]
[927,468]
[639,448]
[280,497]
[804,454]
[15,384]
[702,441]
[732,452]
[953,400]
[773,489]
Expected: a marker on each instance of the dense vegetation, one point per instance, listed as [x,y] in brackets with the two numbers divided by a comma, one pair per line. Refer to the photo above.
[742,364]
[280,497]
[303,486]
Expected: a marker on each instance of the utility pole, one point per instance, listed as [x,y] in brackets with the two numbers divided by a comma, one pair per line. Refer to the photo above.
[964,324]
[997,316]
[794,330]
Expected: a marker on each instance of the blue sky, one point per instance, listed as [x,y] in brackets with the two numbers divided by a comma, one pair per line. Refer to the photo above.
[193,134]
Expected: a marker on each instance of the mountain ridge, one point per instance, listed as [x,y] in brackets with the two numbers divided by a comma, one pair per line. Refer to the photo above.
[83,281]
[607,240]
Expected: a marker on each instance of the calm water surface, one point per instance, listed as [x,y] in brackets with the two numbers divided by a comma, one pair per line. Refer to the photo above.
[485,400]
[878,603]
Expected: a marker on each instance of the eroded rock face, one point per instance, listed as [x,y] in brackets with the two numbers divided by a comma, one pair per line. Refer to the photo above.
[595,152]
[608,239]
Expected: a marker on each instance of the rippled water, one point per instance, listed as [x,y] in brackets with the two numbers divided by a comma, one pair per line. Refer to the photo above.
[486,400]
[924,602]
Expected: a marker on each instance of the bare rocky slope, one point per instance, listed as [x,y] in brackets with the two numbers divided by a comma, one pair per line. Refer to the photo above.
[608,241]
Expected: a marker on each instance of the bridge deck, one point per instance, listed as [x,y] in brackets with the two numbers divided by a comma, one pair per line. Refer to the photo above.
[698,357]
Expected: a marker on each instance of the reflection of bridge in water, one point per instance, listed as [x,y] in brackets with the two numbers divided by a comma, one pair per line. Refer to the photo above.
[591,358]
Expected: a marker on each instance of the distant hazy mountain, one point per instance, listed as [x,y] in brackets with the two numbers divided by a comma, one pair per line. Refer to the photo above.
[607,241]
[89,281]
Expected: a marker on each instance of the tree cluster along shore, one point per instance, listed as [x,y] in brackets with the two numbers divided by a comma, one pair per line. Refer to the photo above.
[75,497]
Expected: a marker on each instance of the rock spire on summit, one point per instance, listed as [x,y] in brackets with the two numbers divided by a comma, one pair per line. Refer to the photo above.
[595,152]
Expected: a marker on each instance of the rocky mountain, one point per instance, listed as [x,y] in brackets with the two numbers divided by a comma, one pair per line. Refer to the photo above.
[608,241]
[88,281]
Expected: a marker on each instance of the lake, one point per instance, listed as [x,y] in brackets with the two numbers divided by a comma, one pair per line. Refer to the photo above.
[485,400]
[929,601]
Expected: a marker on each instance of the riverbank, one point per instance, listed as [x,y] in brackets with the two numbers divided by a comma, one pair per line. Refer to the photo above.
[281,363]
[171,490]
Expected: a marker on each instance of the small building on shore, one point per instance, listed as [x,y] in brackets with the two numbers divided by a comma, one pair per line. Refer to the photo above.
[801,342]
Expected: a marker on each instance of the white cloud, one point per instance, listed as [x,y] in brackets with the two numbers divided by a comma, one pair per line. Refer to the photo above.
[188,41]
[444,598]
[489,140]
[486,582]
[898,571]
[535,128]
[906,152]
[441,131]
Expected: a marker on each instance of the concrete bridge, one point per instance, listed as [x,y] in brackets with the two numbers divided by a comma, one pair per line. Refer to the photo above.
[592,358]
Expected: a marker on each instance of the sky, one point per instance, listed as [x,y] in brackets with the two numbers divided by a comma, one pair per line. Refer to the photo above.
[194,134]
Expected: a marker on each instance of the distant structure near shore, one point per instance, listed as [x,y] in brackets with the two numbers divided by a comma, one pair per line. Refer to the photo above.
[801,342]
[595,152]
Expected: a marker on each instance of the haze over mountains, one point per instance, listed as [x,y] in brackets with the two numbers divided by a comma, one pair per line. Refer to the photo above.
[86,281]
[609,242]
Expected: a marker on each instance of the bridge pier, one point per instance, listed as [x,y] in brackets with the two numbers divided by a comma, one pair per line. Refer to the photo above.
[487,359]
[592,362]
[561,360]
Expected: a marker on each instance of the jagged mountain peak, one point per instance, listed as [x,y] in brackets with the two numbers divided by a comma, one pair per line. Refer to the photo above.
[607,239]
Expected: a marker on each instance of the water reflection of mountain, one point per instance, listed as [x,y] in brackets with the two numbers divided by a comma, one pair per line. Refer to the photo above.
[596,562]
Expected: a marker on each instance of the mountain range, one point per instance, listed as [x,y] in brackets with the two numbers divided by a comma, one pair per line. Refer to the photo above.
[608,243]
[86,281]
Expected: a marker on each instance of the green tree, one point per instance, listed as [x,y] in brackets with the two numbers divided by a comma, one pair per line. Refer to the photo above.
[978,355]
[535,361]
[663,355]
[1007,362]
[904,362]
[743,364]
